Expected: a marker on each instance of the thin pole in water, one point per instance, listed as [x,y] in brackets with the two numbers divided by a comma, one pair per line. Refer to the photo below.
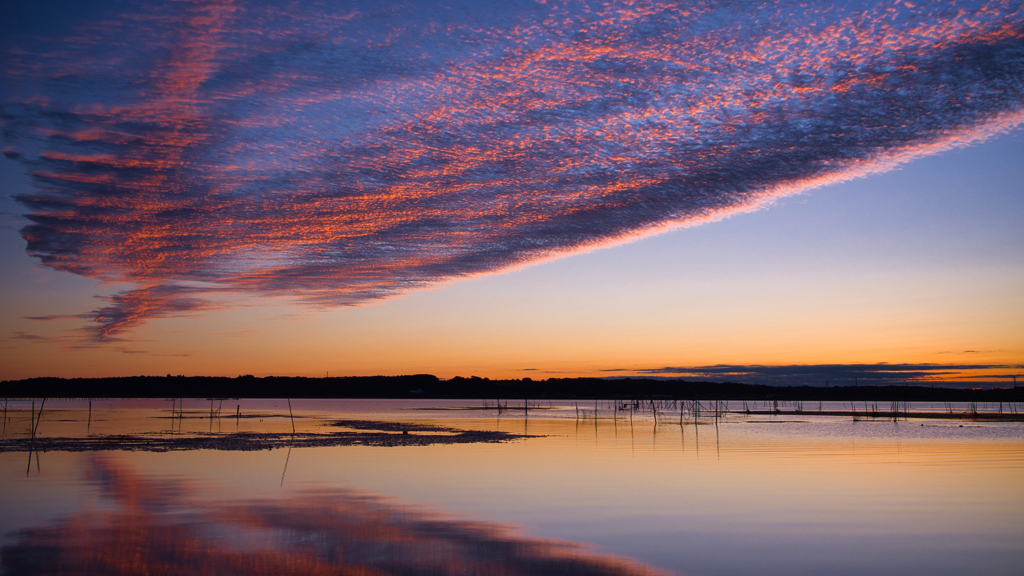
[32,429]
[39,417]
[290,415]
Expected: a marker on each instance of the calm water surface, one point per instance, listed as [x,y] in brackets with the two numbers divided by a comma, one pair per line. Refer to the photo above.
[742,494]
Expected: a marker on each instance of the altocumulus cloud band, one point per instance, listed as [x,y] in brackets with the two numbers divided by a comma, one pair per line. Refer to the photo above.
[340,154]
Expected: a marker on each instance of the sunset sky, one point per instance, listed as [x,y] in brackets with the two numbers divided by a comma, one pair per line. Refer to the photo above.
[784,192]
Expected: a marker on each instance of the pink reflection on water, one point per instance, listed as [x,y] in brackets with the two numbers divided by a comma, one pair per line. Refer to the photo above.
[162,526]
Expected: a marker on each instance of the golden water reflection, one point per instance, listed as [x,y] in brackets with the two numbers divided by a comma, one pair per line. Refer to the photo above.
[156,526]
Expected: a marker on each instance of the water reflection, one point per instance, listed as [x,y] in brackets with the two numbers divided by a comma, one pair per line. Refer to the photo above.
[150,525]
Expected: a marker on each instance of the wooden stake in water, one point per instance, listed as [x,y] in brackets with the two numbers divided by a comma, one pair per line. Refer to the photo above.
[290,415]
[39,418]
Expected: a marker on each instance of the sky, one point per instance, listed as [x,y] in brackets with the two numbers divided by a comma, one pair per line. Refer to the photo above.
[784,193]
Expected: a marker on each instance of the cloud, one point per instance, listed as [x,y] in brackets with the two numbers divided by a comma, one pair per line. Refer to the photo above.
[132,351]
[130,308]
[346,156]
[880,374]
[30,337]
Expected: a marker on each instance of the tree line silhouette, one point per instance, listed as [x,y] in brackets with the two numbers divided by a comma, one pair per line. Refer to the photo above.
[429,386]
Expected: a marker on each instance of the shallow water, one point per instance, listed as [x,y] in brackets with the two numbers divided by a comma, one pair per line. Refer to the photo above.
[738,494]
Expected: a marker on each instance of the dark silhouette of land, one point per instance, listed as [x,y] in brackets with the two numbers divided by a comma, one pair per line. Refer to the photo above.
[428,386]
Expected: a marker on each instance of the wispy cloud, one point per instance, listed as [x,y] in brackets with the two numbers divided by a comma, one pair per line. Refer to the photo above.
[18,335]
[838,374]
[132,351]
[350,155]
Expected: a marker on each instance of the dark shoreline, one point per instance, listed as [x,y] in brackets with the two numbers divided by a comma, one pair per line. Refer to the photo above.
[428,386]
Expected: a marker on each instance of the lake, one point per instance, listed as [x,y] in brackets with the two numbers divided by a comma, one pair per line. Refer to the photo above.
[549,490]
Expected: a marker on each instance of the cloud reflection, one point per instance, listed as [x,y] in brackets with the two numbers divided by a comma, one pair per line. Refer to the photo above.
[200,149]
[160,526]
